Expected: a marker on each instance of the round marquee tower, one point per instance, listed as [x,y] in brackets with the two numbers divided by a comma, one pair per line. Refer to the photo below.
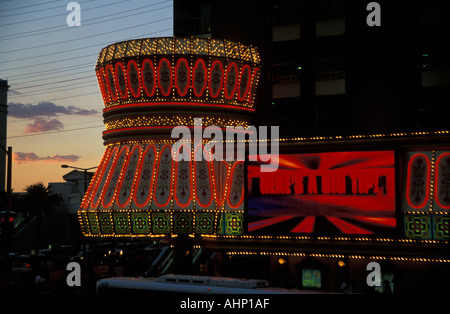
[149,86]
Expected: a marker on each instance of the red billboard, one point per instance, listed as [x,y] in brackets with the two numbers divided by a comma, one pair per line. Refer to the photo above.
[330,193]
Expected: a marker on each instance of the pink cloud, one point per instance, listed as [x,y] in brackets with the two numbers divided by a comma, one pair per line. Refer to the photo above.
[21,157]
[42,125]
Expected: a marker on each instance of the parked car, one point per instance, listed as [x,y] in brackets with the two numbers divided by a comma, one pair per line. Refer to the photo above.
[21,264]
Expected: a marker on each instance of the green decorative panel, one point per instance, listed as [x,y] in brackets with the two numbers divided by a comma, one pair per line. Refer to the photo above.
[106,225]
[182,222]
[234,223]
[204,223]
[441,227]
[161,222]
[418,226]
[85,226]
[140,223]
[121,224]
[93,222]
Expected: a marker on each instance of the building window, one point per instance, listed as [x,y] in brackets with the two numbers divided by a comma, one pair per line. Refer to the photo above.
[284,11]
[435,78]
[286,90]
[286,32]
[330,87]
[285,73]
[330,27]
[323,9]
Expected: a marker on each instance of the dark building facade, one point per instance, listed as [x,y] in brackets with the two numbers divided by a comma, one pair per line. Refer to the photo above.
[327,71]
[341,89]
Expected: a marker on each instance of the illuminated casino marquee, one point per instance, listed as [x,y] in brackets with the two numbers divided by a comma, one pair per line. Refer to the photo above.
[150,86]
[329,193]
[426,194]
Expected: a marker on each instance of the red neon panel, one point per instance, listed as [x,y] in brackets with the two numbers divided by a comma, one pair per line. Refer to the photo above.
[104,174]
[231,80]
[120,80]
[133,78]
[142,128]
[384,221]
[442,195]
[216,78]
[236,185]
[199,187]
[109,192]
[145,179]
[148,77]
[199,78]
[94,180]
[165,77]
[128,172]
[357,188]
[346,227]
[102,84]
[187,178]
[253,226]
[306,226]
[254,80]
[220,172]
[110,82]
[182,77]
[244,82]
[181,103]
[164,174]
[417,186]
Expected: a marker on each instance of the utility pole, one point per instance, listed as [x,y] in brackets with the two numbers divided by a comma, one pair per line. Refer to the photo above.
[85,170]
[7,217]
[9,175]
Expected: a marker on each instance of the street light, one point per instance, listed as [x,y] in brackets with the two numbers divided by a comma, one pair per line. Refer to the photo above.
[85,173]
[85,189]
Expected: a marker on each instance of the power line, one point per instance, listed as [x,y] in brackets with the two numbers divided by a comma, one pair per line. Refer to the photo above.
[56,15]
[57,70]
[59,52]
[87,84]
[53,90]
[50,62]
[85,64]
[55,53]
[53,77]
[17,120]
[46,55]
[28,6]
[63,27]
[67,97]
[39,10]
[62,131]
[64,69]
[59,82]
[19,127]
[81,38]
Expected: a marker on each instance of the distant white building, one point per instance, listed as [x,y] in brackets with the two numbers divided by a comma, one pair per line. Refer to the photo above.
[72,190]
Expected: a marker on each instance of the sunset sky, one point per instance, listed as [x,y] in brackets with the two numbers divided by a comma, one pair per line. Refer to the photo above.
[55,105]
